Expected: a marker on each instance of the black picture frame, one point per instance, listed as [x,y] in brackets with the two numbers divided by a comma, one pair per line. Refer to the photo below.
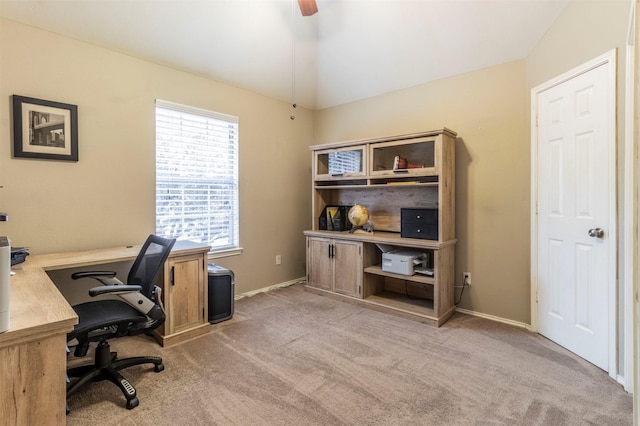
[44,129]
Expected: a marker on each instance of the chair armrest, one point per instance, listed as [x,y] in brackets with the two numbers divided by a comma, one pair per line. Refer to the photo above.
[93,274]
[107,278]
[114,289]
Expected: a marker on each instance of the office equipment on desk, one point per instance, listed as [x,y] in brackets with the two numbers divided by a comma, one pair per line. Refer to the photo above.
[5,284]
[404,262]
[221,293]
[19,255]
[140,311]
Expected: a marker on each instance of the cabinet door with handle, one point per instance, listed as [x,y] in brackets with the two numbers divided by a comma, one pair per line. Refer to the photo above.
[347,257]
[186,300]
[319,263]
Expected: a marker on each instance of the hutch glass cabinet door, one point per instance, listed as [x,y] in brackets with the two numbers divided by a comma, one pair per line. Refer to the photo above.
[417,157]
[340,163]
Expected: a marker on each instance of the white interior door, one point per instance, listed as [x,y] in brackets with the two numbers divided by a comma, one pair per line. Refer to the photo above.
[576,215]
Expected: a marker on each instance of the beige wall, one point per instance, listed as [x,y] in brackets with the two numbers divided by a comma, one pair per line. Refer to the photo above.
[488,109]
[107,198]
[585,30]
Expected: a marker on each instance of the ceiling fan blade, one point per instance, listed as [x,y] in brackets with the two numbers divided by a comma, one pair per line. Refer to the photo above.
[308,7]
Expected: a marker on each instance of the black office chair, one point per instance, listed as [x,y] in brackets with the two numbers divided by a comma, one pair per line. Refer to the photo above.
[139,311]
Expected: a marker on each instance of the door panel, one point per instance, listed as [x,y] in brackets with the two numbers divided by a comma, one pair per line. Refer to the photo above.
[573,198]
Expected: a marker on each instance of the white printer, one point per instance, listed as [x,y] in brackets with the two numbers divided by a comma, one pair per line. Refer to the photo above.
[405,262]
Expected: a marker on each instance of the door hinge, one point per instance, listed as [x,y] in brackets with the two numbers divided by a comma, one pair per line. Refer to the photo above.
[537,295]
[359,289]
[172,276]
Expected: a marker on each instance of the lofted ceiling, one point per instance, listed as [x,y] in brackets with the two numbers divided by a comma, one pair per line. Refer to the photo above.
[349,50]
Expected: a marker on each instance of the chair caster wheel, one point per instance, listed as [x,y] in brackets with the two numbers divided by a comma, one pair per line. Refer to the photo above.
[158,368]
[132,403]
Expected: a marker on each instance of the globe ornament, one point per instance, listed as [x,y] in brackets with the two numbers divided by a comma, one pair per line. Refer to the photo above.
[358,216]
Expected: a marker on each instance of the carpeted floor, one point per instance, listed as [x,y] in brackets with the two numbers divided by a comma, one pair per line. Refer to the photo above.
[289,357]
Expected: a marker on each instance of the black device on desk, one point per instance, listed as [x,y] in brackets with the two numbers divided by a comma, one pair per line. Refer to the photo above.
[19,255]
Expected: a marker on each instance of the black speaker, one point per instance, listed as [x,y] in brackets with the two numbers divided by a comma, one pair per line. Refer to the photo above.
[221,293]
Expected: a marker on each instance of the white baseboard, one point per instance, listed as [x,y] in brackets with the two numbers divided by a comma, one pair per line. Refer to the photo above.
[271,287]
[622,381]
[494,318]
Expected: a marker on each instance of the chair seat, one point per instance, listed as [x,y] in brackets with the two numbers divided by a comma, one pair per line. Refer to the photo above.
[95,315]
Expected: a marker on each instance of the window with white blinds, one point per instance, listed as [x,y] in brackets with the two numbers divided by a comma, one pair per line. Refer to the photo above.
[197,175]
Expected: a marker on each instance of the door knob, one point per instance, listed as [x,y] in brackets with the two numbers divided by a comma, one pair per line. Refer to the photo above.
[596,233]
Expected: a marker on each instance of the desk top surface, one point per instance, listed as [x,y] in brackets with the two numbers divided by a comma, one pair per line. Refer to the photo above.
[76,259]
[38,309]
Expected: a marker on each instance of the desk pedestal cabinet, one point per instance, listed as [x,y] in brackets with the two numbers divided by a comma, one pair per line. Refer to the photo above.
[184,295]
[33,354]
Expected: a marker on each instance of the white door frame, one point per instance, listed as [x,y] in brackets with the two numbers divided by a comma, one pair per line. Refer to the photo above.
[608,59]
[630,249]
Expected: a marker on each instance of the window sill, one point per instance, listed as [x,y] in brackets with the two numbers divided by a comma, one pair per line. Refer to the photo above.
[225,253]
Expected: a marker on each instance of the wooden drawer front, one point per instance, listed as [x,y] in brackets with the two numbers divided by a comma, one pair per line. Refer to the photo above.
[419,223]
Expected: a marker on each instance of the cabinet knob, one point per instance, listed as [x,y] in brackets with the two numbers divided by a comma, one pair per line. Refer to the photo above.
[418,217]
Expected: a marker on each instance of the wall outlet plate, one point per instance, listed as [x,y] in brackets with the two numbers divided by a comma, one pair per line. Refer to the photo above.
[466,279]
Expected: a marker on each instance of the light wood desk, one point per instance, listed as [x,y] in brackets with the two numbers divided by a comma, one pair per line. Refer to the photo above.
[33,351]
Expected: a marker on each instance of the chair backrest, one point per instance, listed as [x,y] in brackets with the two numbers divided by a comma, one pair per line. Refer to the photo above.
[149,262]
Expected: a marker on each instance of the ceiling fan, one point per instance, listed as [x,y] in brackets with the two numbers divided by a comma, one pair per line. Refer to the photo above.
[308,7]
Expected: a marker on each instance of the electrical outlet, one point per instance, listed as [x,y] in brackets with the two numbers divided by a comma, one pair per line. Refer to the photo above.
[278,259]
[466,279]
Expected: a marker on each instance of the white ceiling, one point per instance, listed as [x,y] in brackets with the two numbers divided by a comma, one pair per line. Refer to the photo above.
[349,50]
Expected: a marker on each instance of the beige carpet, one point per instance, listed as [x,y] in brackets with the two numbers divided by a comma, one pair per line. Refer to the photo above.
[290,357]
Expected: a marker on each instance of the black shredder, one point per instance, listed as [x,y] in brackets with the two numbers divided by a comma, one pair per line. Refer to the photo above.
[221,293]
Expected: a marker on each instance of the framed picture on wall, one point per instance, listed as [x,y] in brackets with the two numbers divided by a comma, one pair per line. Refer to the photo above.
[44,129]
